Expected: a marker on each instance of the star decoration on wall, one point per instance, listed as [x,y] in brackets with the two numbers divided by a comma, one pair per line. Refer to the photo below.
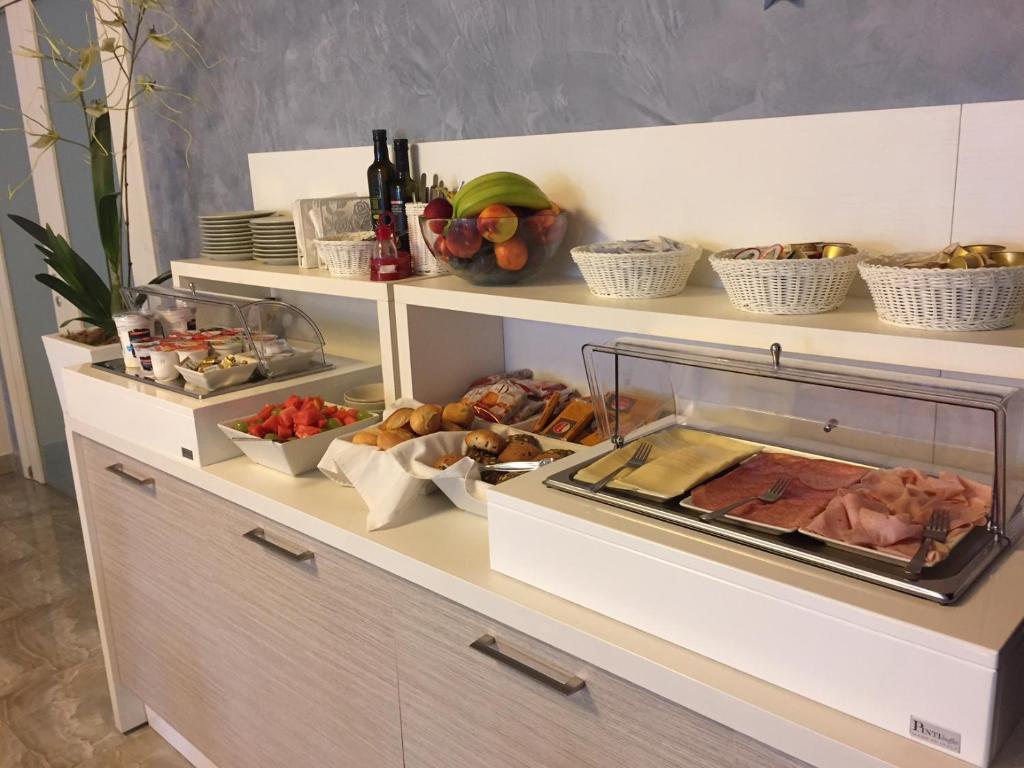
[769,3]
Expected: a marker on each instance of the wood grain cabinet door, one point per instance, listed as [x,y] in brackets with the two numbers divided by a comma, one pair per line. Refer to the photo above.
[476,693]
[260,646]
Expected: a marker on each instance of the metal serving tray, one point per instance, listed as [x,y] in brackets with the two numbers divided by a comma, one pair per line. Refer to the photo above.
[181,387]
[943,582]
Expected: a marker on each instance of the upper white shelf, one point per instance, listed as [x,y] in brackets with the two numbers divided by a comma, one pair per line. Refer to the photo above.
[282,278]
[703,314]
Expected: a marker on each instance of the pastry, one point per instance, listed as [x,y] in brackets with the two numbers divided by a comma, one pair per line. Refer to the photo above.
[426,419]
[389,438]
[366,437]
[397,419]
[451,426]
[550,406]
[482,456]
[458,413]
[523,437]
[518,451]
[485,440]
[447,460]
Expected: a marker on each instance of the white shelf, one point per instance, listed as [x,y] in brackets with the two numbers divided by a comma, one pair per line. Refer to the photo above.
[703,314]
[254,273]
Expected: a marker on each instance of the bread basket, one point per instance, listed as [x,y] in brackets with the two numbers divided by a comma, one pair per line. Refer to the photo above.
[346,258]
[635,275]
[786,286]
[939,299]
[423,261]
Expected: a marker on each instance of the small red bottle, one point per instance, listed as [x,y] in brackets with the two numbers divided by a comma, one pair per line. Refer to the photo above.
[389,263]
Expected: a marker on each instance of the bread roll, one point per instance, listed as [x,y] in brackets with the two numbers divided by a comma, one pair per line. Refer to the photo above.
[389,438]
[523,437]
[398,419]
[518,451]
[485,440]
[366,437]
[458,413]
[426,419]
[451,426]
[447,460]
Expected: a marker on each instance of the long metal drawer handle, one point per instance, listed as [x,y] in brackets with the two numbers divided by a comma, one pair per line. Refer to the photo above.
[488,645]
[260,537]
[143,482]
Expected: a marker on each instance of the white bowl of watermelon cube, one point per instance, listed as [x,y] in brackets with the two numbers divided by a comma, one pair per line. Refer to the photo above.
[293,436]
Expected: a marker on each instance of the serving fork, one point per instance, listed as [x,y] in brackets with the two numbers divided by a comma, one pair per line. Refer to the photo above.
[937,529]
[638,459]
[770,496]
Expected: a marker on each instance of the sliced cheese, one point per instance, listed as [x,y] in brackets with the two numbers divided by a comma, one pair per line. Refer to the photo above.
[680,459]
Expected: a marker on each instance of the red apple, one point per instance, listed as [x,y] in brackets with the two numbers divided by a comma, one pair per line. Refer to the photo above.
[463,239]
[497,223]
[441,249]
[545,226]
[438,208]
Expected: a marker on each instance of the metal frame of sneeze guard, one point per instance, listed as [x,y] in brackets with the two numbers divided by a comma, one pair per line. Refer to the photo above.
[240,307]
[943,583]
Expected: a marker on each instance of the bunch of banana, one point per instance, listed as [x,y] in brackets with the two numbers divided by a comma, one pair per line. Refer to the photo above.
[502,187]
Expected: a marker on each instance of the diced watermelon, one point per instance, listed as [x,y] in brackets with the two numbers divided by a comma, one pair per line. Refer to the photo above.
[256,430]
[305,431]
[293,401]
[287,416]
[271,424]
[349,420]
[284,432]
[265,412]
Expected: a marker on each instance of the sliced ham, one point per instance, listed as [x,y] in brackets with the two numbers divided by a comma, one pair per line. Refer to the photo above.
[888,509]
[812,483]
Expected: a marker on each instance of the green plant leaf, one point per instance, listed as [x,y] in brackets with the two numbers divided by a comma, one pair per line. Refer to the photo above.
[104,192]
[89,320]
[36,231]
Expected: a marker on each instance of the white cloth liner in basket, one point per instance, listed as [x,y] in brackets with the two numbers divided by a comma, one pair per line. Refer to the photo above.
[979,299]
[423,261]
[786,286]
[613,272]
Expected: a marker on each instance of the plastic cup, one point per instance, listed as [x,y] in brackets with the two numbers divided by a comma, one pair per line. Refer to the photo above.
[164,357]
[143,352]
[196,351]
[230,345]
[177,319]
[132,327]
[264,342]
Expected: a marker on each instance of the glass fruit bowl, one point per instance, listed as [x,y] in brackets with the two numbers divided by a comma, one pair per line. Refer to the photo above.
[500,250]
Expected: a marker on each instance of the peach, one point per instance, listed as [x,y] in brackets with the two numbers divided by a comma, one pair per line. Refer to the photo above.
[463,239]
[497,223]
[511,255]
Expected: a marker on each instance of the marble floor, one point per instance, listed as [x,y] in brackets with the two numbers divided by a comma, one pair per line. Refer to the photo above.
[54,707]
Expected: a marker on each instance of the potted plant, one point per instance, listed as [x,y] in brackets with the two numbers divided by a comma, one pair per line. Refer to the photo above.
[99,297]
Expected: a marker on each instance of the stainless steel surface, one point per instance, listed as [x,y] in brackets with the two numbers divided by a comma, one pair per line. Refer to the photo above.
[488,645]
[517,466]
[937,529]
[142,482]
[182,388]
[770,496]
[260,537]
[638,459]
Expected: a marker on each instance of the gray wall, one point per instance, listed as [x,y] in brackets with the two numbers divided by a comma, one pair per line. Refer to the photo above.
[322,73]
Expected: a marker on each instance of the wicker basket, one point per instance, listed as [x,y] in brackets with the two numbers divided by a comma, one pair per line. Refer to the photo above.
[636,275]
[944,299]
[346,258]
[423,261]
[788,286]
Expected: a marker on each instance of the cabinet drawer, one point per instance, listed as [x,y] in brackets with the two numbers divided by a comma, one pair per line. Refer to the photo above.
[509,704]
[259,655]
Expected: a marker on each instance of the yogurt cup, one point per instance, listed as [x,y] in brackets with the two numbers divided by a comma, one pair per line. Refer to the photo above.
[177,319]
[229,345]
[132,327]
[143,353]
[195,351]
[164,357]
[264,343]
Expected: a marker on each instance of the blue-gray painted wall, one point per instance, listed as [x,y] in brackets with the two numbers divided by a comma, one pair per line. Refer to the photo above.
[323,73]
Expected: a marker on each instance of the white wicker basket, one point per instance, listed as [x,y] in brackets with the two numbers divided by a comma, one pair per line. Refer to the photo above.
[345,258]
[944,299]
[636,275]
[423,261]
[787,286]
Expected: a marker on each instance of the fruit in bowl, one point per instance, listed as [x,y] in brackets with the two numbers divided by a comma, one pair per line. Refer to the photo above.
[502,229]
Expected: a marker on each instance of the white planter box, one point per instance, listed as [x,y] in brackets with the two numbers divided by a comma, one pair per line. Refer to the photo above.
[63,353]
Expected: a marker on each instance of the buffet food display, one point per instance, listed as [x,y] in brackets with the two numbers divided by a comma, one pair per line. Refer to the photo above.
[203,344]
[807,462]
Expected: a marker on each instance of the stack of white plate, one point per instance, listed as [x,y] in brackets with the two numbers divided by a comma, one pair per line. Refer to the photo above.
[226,236]
[273,240]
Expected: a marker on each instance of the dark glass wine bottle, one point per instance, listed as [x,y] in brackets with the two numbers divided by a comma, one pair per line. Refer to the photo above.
[379,176]
[401,192]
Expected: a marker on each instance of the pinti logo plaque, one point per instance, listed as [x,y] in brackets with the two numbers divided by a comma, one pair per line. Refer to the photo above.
[941,737]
